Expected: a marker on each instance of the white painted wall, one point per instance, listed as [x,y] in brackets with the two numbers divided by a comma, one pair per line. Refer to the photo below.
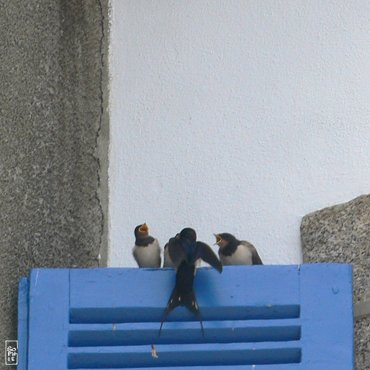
[238,116]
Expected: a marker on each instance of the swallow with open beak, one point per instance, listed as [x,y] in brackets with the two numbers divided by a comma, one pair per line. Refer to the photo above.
[236,252]
[147,252]
[184,251]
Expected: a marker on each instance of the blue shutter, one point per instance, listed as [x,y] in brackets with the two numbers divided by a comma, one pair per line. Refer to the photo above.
[255,317]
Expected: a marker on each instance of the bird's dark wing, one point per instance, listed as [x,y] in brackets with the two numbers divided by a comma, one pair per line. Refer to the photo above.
[256,259]
[176,251]
[205,252]
[159,261]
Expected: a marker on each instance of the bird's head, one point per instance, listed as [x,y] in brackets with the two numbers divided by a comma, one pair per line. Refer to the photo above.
[188,233]
[141,230]
[224,239]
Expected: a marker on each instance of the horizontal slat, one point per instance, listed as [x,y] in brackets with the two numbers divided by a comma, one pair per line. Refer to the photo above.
[185,355]
[235,286]
[213,367]
[149,314]
[183,332]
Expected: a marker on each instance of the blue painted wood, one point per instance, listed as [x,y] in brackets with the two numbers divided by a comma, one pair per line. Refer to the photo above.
[327,316]
[240,292]
[184,332]
[22,323]
[48,319]
[209,354]
[273,317]
[234,367]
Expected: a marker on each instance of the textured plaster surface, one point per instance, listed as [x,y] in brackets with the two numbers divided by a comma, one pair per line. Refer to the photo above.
[237,116]
[342,234]
[52,137]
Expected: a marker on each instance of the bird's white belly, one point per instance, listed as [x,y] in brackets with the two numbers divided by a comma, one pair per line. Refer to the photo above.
[147,256]
[242,256]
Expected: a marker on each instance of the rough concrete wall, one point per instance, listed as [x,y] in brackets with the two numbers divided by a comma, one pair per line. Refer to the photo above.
[53,140]
[341,234]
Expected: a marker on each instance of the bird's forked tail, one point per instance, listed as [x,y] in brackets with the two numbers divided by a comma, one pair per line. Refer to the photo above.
[188,300]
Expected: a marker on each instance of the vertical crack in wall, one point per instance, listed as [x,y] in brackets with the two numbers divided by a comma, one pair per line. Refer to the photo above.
[103,46]
[97,137]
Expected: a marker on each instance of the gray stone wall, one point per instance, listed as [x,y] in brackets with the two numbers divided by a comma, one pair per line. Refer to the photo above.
[342,234]
[53,140]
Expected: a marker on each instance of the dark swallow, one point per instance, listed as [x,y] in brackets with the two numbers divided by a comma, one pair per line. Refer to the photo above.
[185,247]
[147,252]
[236,252]
[184,251]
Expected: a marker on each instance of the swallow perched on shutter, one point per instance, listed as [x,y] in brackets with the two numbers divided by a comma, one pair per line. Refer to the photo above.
[147,252]
[167,261]
[236,252]
[184,251]
[185,247]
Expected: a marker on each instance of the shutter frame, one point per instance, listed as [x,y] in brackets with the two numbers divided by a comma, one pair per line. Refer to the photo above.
[299,314]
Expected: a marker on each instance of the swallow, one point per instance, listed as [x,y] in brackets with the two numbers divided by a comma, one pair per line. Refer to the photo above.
[184,251]
[236,252]
[147,252]
[185,247]
[167,261]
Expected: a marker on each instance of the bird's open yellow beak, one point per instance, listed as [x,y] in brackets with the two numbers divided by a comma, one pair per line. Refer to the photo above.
[218,238]
[144,228]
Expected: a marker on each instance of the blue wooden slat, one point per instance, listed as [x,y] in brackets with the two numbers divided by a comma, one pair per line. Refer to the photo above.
[327,316]
[48,319]
[233,293]
[22,323]
[221,367]
[186,355]
[184,332]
